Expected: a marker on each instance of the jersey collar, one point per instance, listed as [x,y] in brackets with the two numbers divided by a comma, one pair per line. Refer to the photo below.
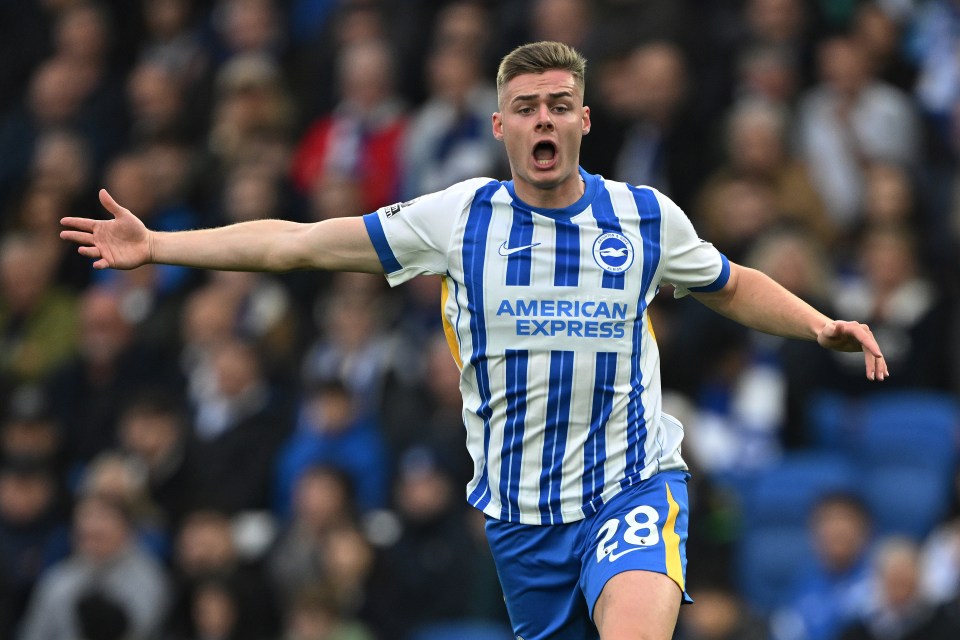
[590,182]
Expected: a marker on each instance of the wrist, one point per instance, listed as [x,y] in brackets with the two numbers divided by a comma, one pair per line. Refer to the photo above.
[152,250]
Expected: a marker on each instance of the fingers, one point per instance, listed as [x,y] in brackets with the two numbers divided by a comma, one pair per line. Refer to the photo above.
[80,237]
[876,367]
[868,342]
[81,224]
[875,362]
[89,252]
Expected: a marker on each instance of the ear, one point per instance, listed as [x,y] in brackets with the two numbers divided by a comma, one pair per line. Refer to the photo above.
[585,126]
[497,124]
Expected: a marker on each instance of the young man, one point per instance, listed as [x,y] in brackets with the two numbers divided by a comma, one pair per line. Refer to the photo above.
[546,282]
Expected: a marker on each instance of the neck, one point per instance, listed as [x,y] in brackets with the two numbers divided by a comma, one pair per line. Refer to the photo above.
[552,197]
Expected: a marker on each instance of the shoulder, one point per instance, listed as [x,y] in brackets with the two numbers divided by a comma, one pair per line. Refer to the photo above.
[460,194]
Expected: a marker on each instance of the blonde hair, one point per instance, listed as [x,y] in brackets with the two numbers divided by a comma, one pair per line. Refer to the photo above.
[540,57]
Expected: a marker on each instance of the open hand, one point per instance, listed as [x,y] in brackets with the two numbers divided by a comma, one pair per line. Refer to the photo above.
[844,335]
[120,243]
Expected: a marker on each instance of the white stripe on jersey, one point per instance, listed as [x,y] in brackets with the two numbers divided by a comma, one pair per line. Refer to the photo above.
[560,372]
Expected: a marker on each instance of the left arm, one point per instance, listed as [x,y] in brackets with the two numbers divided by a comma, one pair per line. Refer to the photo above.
[757,301]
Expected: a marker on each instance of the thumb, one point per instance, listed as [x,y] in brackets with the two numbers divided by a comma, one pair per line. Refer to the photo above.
[830,330]
[110,204]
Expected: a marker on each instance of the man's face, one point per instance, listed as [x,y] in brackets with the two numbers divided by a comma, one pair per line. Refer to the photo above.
[541,122]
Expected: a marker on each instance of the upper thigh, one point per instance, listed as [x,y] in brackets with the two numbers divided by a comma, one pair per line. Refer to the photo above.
[639,605]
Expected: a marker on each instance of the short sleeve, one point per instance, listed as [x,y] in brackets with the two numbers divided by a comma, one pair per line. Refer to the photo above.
[691,264]
[414,237]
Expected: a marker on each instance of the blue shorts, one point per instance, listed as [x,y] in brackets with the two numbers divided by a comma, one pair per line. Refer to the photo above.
[552,575]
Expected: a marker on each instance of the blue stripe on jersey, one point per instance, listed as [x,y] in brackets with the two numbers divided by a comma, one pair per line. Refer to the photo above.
[595,448]
[650,219]
[379,240]
[566,271]
[555,434]
[511,454]
[521,235]
[474,252]
[721,280]
[607,221]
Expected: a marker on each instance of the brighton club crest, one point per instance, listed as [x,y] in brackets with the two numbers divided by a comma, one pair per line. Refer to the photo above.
[613,252]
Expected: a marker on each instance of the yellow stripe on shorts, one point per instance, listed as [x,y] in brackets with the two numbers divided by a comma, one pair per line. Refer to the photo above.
[671,542]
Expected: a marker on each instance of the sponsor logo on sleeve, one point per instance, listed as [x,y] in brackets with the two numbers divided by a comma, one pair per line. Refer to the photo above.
[395,208]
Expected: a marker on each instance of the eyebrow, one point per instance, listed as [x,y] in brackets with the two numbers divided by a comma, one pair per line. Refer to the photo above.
[534,96]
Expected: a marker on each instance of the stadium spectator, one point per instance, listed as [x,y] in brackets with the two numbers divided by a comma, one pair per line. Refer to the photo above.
[205,554]
[797,260]
[362,135]
[422,408]
[37,327]
[897,609]
[757,153]
[361,582]
[720,614]
[664,145]
[158,101]
[890,289]
[121,478]
[786,25]
[32,434]
[431,552]
[252,116]
[447,139]
[86,392]
[352,344]
[240,419]
[848,119]
[33,533]
[55,99]
[173,38]
[332,428]
[152,429]
[61,161]
[882,36]
[106,558]
[323,500]
[248,26]
[315,615]
[833,590]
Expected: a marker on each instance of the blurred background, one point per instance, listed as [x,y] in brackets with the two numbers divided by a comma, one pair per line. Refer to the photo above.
[223,456]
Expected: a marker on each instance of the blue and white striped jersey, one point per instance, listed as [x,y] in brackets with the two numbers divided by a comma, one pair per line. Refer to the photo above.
[546,315]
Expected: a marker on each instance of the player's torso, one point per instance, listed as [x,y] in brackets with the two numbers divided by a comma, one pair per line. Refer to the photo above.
[548,312]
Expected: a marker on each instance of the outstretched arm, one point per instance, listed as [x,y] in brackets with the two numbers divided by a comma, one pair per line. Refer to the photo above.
[340,244]
[757,301]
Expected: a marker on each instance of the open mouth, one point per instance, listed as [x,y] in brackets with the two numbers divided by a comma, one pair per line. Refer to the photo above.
[544,153]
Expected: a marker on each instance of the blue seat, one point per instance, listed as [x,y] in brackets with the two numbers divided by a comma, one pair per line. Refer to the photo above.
[833,420]
[784,494]
[905,499]
[910,427]
[769,561]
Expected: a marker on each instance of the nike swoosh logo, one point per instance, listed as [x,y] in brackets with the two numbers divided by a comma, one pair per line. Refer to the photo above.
[616,556]
[504,251]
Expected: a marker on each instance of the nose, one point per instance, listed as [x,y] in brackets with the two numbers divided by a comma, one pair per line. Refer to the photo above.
[544,121]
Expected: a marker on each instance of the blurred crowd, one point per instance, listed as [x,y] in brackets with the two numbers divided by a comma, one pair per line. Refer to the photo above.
[243,456]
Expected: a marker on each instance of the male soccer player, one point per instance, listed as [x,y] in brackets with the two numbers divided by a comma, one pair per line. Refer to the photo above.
[546,282]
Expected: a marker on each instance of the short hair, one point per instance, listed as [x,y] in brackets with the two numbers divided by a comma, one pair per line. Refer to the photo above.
[540,57]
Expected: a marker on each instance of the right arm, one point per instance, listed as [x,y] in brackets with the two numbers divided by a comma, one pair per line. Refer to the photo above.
[339,244]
